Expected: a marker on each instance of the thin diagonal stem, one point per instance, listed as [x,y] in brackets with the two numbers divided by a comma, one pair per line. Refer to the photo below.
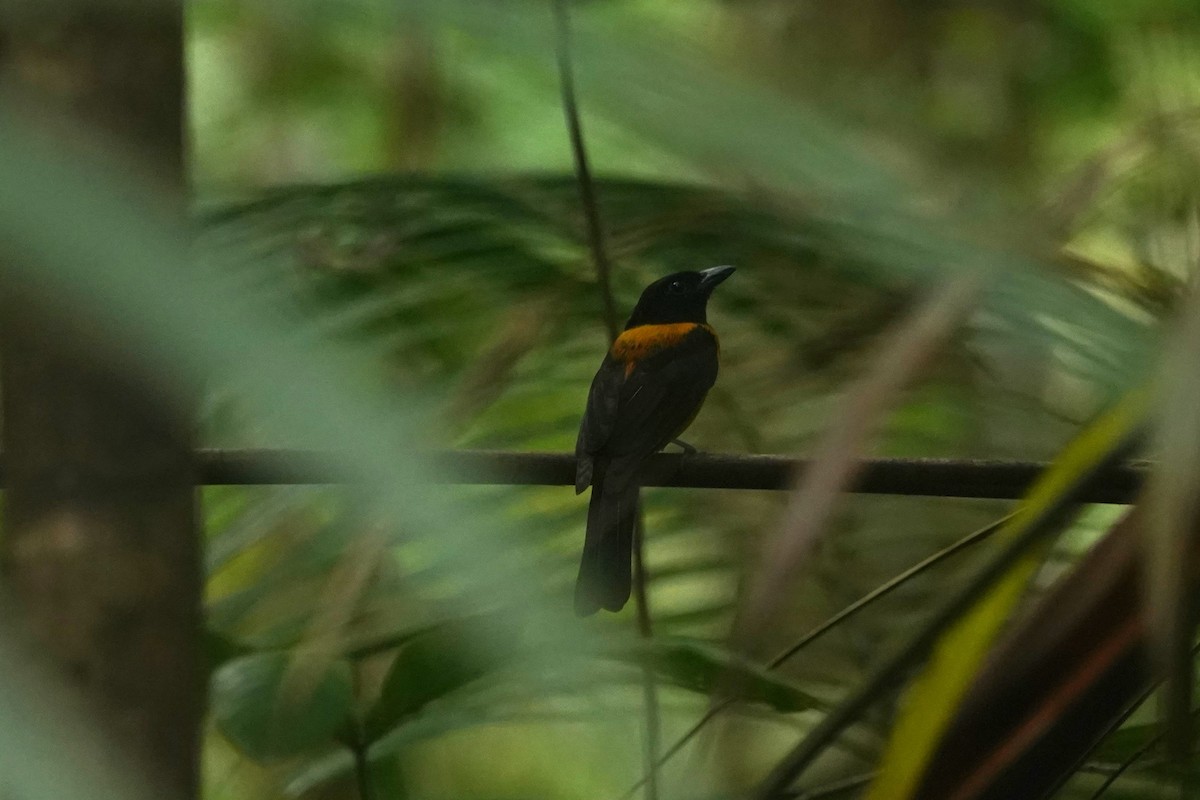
[885,589]
[653,734]
[595,237]
[362,772]
[1126,764]
[587,190]
[836,788]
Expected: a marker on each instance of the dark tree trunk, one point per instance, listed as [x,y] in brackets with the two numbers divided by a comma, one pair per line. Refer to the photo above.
[100,544]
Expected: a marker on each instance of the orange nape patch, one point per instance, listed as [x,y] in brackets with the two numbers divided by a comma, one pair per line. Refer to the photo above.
[645,340]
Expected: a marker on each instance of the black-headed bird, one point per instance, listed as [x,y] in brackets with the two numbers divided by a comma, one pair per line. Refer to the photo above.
[646,393]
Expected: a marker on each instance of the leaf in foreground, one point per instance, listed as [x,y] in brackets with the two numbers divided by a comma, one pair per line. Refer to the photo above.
[935,695]
[269,717]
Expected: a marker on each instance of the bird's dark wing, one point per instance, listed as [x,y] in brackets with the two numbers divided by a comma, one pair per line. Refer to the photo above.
[603,402]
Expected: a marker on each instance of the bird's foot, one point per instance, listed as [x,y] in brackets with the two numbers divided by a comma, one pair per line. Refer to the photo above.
[688,450]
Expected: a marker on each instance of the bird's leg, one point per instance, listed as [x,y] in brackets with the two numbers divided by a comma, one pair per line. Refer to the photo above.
[688,450]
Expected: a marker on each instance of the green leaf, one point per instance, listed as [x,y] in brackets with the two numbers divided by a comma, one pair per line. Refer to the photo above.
[219,648]
[315,772]
[271,706]
[1126,742]
[705,667]
[428,667]
[659,89]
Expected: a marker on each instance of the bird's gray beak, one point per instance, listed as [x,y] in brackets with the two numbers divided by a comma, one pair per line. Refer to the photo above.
[709,278]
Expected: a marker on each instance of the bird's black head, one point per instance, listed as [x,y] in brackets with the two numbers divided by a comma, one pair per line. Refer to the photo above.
[681,297]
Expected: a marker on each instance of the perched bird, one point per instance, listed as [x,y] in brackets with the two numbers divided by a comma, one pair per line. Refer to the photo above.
[648,390]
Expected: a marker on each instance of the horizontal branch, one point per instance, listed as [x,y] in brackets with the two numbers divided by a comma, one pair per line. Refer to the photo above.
[920,477]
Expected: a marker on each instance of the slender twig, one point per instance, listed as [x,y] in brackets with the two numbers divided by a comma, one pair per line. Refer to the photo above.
[587,191]
[595,237]
[361,770]
[846,613]
[359,744]
[649,679]
[887,588]
[836,788]
[1124,766]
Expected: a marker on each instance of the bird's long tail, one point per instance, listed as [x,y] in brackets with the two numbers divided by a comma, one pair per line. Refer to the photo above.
[605,571]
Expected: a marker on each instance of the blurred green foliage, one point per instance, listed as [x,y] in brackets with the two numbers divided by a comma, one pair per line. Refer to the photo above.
[405,189]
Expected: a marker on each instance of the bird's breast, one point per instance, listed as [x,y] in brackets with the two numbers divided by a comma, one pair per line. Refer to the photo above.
[644,341]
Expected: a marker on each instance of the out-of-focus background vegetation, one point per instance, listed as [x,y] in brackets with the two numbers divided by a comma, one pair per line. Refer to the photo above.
[400,188]
[451,242]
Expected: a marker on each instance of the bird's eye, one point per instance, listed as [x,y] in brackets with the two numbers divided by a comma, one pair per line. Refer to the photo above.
[676,287]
